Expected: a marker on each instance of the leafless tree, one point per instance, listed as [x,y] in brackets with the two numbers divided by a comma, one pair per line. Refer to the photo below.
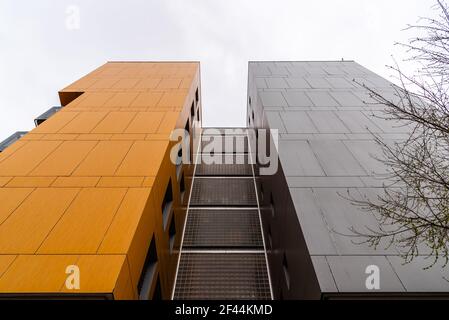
[413,209]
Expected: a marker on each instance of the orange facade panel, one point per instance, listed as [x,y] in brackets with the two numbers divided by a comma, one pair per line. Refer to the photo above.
[86,187]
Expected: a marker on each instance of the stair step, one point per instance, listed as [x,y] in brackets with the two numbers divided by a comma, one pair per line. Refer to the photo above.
[223,229]
[221,276]
[224,170]
[227,144]
[223,192]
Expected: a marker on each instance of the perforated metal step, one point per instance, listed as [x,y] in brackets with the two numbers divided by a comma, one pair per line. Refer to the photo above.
[224,144]
[222,276]
[214,229]
[224,170]
[229,158]
[222,131]
[223,192]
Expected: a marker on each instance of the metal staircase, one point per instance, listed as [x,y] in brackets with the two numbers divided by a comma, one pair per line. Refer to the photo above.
[223,251]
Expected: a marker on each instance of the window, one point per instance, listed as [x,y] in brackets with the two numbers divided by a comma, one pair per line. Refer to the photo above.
[187,129]
[286,273]
[182,188]
[273,210]
[249,100]
[148,272]
[197,96]
[172,234]
[192,110]
[253,114]
[167,204]
[157,294]
[179,162]
[270,237]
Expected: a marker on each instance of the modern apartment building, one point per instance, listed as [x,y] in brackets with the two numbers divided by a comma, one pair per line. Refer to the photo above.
[93,190]
[93,186]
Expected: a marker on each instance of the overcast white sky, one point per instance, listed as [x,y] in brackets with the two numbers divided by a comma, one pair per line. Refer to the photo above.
[39,55]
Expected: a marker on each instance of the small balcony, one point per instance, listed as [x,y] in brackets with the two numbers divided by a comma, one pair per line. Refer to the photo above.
[11,139]
[47,114]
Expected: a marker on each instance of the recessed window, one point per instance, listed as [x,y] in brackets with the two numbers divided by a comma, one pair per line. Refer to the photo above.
[179,162]
[167,204]
[253,114]
[189,152]
[197,96]
[286,273]
[192,110]
[249,100]
[172,234]
[182,188]
[187,128]
[157,295]
[272,208]
[198,115]
[270,237]
[148,272]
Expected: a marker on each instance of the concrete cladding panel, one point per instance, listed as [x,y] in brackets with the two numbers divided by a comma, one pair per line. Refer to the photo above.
[327,152]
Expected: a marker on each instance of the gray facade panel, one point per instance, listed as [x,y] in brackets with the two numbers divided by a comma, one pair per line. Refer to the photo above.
[322,99]
[276,83]
[358,122]
[298,122]
[336,159]
[272,99]
[346,98]
[298,159]
[297,99]
[327,122]
[297,83]
[321,241]
[350,276]
[416,278]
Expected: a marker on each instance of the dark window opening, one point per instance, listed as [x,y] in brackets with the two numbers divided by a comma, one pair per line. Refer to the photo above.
[167,204]
[249,100]
[198,114]
[172,234]
[197,96]
[253,114]
[148,272]
[272,208]
[192,110]
[179,162]
[182,188]
[187,129]
[270,237]
[286,273]
[157,295]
